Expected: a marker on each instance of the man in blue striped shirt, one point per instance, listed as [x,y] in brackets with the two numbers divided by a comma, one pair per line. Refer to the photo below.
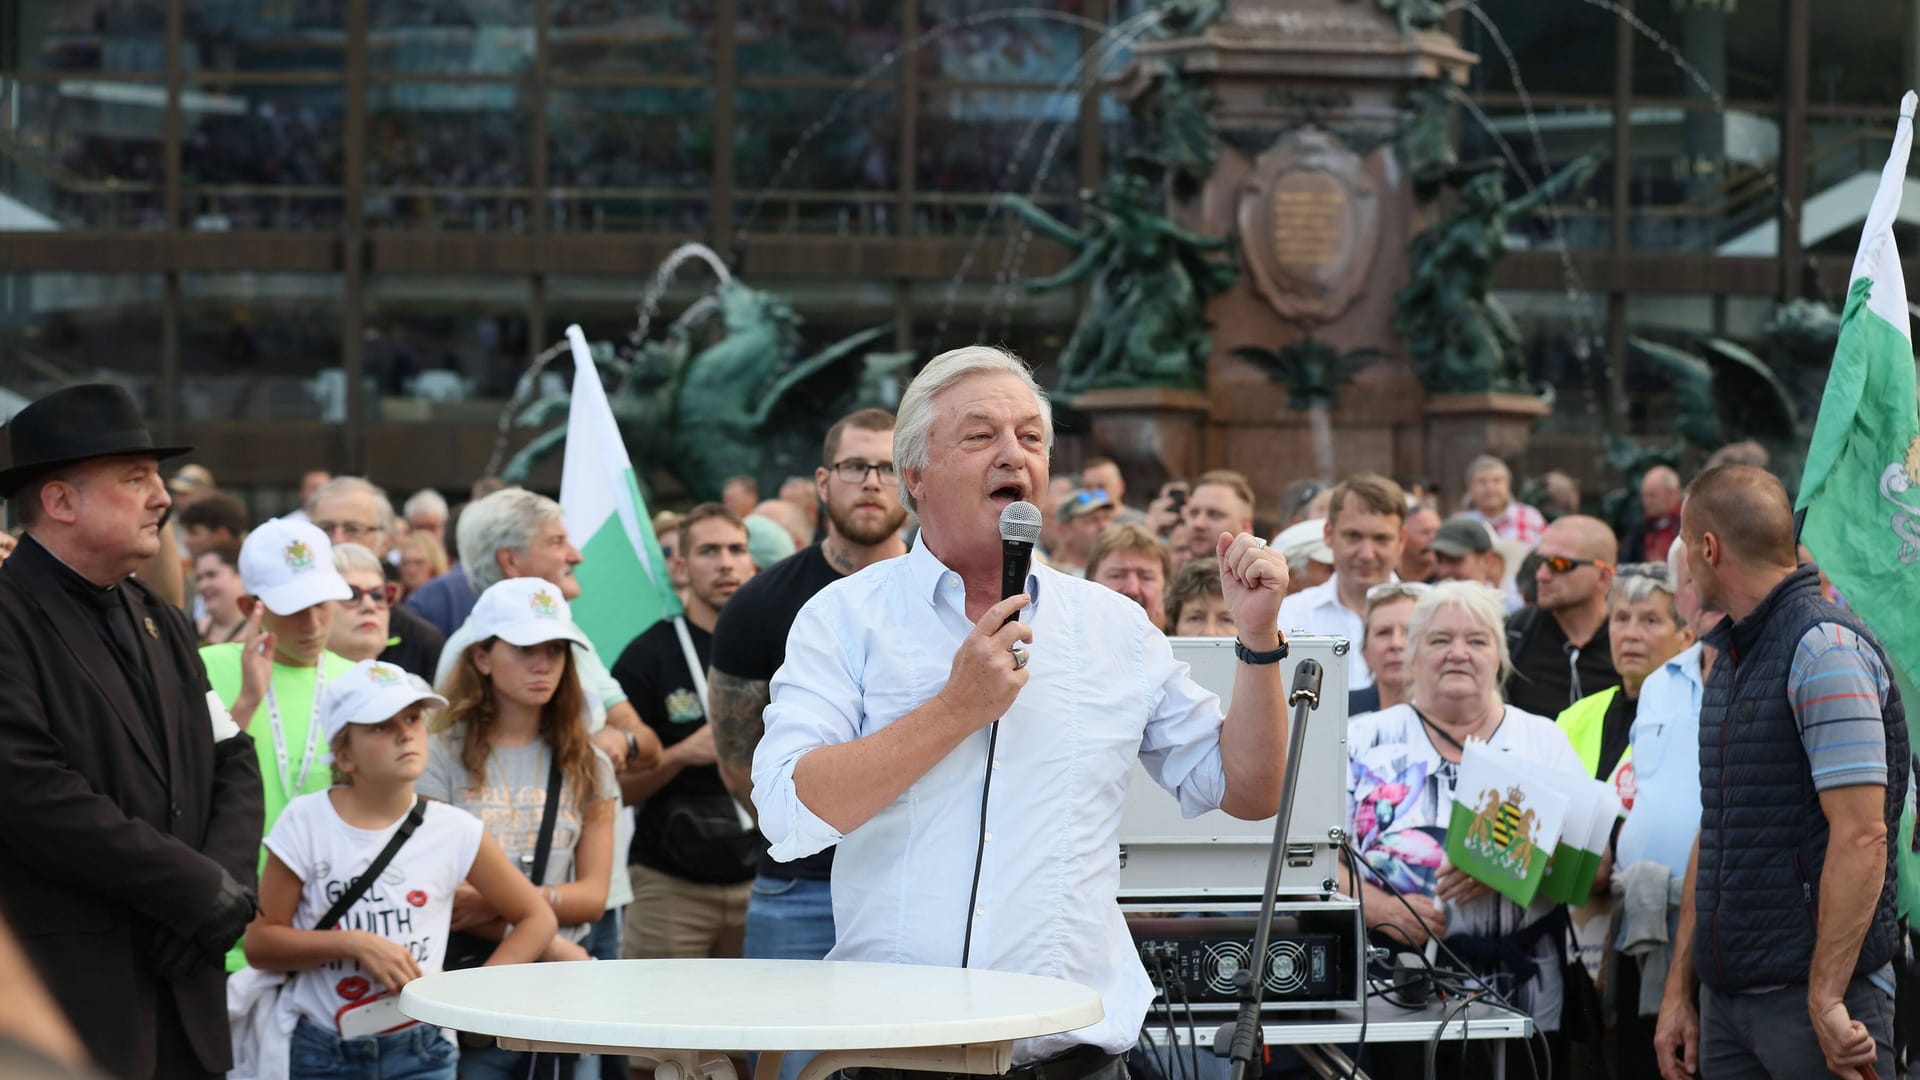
[1787,915]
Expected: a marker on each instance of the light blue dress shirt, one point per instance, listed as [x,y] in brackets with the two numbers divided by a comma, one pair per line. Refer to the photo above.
[1105,690]
[1666,768]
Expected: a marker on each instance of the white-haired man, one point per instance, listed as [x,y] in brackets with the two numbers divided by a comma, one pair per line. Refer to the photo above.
[894,675]
[426,512]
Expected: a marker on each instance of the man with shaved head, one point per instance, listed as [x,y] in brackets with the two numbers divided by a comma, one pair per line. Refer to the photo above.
[1659,524]
[1790,880]
[1559,645]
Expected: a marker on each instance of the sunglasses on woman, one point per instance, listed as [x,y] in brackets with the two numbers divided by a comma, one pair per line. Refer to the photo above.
[381,595]
[1412,590]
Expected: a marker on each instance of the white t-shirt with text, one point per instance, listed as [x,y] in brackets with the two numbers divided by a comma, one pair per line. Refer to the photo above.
[411,904]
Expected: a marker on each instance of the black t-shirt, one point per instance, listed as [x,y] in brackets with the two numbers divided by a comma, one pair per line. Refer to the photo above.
[1542,681]
[1615,727]
[414,644]
[750,642]
[652,669]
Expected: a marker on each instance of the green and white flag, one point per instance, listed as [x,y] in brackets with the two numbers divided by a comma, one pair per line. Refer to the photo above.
[1592,808]
[1861,489]
[624,587]
[1506,821]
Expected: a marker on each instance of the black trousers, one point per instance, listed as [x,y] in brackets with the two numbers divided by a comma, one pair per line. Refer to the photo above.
[174,1057]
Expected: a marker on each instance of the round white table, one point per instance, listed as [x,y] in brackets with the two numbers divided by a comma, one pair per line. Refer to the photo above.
[685,1015]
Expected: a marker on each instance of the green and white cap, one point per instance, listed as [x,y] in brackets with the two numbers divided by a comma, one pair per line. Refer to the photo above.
[372,692]
[524,611]
[288,564]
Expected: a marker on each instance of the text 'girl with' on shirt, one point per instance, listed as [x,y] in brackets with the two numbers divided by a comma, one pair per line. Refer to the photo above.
[344,982]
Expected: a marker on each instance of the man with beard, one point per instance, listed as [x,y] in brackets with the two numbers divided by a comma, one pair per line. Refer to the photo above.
[691,860]
[790,911]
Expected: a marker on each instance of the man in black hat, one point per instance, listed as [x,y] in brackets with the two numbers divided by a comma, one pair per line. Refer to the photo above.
[133,812]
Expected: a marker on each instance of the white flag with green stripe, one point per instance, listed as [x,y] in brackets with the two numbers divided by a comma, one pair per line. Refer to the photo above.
[624,585]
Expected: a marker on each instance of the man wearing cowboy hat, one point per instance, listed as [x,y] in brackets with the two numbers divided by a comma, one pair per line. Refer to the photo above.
[133,811]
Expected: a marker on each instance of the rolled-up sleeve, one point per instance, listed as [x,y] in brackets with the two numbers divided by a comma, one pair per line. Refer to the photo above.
[815,702]
[1181,746]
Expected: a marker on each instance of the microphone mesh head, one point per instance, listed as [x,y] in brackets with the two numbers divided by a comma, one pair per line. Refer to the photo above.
[1020,521]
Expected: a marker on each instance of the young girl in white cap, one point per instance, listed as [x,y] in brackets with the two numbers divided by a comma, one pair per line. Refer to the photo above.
[344,982]
[512,725]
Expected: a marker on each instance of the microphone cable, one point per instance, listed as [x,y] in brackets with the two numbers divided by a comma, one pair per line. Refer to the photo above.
[980,846]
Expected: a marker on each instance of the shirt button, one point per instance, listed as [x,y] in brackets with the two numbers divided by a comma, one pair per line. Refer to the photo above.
[989,838]
[953,582]
[996,763]
[979,913]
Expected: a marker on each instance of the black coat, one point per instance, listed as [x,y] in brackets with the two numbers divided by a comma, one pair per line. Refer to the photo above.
[107,835]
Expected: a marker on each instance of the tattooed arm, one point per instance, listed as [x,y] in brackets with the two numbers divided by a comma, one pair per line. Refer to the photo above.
[734,707]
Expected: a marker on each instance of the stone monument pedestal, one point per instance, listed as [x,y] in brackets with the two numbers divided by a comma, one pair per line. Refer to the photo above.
[1154,434]
[1316,107]
[1460,427]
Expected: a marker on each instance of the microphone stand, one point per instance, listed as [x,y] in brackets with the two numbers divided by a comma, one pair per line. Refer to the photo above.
[1244,1033]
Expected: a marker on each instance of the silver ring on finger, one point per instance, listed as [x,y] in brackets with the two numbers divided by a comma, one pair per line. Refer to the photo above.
[1019,658]
[1258,542]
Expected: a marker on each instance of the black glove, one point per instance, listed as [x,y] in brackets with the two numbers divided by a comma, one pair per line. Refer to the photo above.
[227,917]
[176,956]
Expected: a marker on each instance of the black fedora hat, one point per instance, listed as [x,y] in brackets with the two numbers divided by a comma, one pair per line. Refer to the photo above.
[72,425]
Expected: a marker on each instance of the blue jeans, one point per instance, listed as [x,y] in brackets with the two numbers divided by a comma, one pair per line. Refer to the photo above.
[416,1053]
[790,919]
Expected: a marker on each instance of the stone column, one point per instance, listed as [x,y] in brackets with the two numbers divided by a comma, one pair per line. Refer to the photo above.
[1154,435]
[1461,427]
[1310,99]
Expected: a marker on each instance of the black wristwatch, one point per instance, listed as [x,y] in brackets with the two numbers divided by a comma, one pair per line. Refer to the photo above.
[1271,656]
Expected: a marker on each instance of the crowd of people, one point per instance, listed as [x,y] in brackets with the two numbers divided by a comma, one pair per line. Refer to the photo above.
[271,770]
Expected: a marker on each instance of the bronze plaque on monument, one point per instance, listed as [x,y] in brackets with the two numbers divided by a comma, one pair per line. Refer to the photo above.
[1309,226]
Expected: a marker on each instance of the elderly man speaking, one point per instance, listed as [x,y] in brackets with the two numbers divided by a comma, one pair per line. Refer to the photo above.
[877,733]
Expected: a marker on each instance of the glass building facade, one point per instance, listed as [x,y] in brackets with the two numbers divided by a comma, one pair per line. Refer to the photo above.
[334,232]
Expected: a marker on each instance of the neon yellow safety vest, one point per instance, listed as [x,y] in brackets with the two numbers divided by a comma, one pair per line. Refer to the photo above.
[1583,721]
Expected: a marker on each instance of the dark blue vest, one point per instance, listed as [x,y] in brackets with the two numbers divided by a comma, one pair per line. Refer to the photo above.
[1763,835]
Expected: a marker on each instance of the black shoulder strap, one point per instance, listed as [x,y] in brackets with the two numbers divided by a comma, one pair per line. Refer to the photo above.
[544,847]
[358,886]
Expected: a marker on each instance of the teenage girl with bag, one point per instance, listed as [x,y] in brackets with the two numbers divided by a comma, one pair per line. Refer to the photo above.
[511,749]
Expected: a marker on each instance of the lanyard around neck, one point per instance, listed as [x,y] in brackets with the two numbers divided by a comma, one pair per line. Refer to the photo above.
[1446,735]
[289,786]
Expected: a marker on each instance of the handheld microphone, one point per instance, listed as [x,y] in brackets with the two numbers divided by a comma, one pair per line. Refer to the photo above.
[1019,529]
[1306,684]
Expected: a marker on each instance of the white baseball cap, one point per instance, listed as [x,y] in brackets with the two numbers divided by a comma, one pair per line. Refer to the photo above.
[1305,540]
[288,564]
[524,611]
[372,693]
